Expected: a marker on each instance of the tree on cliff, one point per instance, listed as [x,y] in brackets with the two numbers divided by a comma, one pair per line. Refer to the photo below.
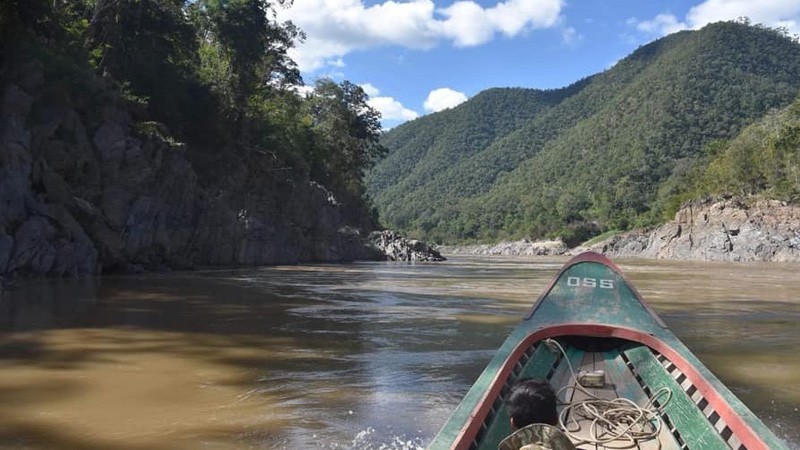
[226,61]
[348,130]
[243,51]
[216,74]
[150,46]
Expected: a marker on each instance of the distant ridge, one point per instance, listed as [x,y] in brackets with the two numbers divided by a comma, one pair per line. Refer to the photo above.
[608,152]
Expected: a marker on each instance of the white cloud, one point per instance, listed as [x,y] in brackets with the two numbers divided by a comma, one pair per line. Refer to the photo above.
[338,27]
[303,90]
[369,89]
[773,13]
[389,108]
[570,36]
[466,24]
[392,109]
[443,98]
[339,62]
[514,16]
[661,24]
[769,12]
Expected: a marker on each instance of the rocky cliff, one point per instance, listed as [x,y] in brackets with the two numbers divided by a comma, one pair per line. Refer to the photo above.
[87,189]
[721,230]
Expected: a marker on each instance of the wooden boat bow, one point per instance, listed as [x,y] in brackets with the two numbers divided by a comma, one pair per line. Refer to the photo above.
[602,319]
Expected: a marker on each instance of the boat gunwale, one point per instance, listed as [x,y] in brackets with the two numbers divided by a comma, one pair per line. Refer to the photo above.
[741,429]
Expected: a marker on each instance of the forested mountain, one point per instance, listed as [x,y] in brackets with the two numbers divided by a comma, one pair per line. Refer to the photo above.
[611,151]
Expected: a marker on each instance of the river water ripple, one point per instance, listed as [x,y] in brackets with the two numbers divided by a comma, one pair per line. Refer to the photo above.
[357,356]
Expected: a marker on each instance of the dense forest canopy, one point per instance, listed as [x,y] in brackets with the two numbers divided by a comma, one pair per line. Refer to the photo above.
[616,150]
[763,160]
[214,74]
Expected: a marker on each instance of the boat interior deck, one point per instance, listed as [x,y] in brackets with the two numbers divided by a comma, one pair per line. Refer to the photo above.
[632,371]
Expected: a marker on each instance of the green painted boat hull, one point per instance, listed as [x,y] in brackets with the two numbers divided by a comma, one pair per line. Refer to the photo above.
[600,318]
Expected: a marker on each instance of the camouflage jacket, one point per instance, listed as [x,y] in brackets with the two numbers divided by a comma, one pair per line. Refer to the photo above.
[538,436]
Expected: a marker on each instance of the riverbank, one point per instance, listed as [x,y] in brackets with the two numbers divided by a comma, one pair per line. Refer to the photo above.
[732,229]
[524,247]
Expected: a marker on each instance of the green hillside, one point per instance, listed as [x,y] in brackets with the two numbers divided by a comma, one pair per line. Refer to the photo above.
[763,161]
[609,152]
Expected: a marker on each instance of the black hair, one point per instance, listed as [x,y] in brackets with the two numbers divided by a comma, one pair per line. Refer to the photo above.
[532,401]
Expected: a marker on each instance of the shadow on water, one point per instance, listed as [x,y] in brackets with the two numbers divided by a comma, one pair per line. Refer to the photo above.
[63,337]
[263,358]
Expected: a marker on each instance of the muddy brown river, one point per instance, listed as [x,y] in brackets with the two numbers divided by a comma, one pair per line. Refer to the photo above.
[357,356]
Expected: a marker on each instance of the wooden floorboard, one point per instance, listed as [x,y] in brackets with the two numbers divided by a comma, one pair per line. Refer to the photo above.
[620,382]
[619,375]
[563,377]
[583,431]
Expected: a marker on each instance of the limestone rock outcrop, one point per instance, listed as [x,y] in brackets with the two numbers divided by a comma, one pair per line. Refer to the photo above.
[515,248]
[717,230]
[399,248]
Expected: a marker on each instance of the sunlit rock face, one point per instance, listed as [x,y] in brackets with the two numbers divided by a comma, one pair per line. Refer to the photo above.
[722,230]
[87,189]
[399,248]
[523,247]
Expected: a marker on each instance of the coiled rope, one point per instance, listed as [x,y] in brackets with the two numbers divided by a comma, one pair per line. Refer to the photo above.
[611,420]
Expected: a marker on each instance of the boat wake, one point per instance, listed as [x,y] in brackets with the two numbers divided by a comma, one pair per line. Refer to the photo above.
[370,439]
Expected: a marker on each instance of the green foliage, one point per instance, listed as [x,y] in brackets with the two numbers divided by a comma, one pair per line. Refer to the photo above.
[61,26]
[158,130]
[151,45]
[43,20]
[243,51]
[763,160]
[348,131]
[614,151]
[602,237]
[211,73]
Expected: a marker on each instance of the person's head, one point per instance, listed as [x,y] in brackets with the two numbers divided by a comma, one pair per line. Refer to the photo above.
[531,401]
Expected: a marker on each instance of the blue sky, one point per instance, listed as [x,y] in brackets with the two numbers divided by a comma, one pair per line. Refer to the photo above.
[414,57]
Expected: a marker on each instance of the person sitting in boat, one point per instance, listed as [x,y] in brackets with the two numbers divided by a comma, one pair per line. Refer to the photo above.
[531,405]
